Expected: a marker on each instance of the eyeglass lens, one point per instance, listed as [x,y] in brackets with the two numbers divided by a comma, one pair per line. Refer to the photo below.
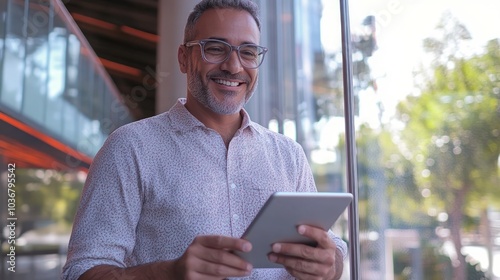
[216,52]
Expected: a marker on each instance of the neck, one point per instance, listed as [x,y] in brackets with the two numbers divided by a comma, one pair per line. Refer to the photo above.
[225,125]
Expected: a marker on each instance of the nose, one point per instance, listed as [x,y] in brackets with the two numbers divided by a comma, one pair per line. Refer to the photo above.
[232,64]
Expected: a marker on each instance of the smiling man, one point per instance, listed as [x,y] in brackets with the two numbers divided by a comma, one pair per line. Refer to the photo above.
[168,197]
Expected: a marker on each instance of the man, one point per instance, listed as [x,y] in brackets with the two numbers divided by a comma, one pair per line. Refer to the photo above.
[168,197]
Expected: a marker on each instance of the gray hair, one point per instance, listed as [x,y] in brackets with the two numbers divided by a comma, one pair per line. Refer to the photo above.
[200,8]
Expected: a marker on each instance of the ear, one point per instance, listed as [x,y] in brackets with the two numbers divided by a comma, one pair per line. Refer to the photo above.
[182,58]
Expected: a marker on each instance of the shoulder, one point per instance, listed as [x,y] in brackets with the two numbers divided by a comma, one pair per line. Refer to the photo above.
[149,124]
[135,136]
[141,128]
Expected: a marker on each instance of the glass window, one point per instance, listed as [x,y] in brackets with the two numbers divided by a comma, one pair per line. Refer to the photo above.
[106,120]
[70,123]
[3,19]
[49,78]
[57,73]
[426,93]
[13,60]
[428,138]
[97,100]
[87,79]
[36,62]
[300,89]
[73,62]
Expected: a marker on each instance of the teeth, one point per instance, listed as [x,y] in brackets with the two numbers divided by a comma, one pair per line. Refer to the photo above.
[227,83]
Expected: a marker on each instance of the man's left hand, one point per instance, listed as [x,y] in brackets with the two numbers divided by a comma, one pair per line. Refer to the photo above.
[304,262]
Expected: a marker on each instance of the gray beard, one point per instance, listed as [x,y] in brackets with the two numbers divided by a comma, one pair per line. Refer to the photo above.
[203,95]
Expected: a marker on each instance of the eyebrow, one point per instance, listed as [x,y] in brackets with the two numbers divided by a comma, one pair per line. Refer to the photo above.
[225,40]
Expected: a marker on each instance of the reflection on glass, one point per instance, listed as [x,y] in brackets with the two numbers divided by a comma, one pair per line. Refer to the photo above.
[51,82]
[52,79]
[70,122]
[57,77]
[13,61]
[57,66]
[36,67]
[428,140]
[3,15]
[427,97]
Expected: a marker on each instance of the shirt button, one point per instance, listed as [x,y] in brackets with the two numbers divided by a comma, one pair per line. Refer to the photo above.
[235,217]
[233,186]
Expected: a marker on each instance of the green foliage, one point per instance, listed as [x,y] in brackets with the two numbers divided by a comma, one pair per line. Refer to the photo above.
[445,159]
[436,265]
[387,186]
[46,196]
[452,130]
[458,126]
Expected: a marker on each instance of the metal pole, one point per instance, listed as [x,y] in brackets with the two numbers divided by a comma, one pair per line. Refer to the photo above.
[352,175]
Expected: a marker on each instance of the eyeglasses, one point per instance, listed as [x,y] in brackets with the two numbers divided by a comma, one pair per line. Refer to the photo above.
[217,51]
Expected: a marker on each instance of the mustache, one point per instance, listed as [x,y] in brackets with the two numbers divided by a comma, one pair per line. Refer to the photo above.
[227,76]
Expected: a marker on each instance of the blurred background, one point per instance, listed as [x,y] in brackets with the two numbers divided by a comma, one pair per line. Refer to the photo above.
[427,118]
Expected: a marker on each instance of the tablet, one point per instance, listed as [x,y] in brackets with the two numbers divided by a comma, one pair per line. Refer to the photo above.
[278,219]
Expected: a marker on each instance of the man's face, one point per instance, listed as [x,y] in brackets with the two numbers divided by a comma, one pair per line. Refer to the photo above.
[224,87]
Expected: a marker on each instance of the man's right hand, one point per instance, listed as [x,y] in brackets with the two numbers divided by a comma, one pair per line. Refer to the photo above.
[210,257]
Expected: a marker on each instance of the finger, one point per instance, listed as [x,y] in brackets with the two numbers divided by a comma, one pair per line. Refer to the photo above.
[223,242]
[301,251]
[225,270]
[198,250]
[225,258]
[199,260]
[298,265]
[317,234]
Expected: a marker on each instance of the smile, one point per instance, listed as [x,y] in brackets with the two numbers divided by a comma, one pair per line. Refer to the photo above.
[227,83]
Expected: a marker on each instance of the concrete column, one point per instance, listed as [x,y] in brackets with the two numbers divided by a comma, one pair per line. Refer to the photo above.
[172,17]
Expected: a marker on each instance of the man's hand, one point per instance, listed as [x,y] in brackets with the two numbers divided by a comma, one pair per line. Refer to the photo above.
[210,257]
[304,262]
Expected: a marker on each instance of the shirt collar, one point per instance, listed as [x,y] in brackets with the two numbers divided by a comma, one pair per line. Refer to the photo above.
[183,120]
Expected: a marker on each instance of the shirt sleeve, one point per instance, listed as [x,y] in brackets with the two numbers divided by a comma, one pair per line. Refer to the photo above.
[341,244]
[109,209]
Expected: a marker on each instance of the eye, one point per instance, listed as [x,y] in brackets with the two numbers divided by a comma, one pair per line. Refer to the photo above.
[215,48]
[249,52]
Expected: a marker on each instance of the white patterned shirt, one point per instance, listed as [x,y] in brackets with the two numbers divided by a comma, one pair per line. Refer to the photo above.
[159,182]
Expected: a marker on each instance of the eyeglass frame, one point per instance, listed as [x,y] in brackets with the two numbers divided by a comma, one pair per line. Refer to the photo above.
[202,43]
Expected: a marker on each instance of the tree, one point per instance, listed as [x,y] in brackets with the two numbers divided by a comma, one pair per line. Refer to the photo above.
[453,126]
[47,197]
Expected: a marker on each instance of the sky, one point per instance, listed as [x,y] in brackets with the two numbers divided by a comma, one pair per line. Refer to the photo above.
[402,26]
